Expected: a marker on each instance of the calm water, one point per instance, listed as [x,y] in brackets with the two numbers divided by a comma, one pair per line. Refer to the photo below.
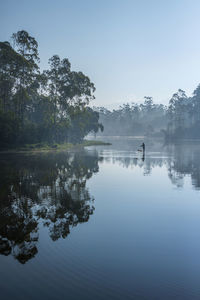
[101,223]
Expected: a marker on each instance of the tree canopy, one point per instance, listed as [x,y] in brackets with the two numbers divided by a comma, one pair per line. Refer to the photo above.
[179,120]
[48,106]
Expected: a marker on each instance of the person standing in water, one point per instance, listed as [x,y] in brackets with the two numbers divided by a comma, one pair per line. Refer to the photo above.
[143,147]
[143,150]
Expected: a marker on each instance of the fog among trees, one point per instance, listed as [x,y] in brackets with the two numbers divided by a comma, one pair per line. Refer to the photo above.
[179,120]
[52,105]
[134,119]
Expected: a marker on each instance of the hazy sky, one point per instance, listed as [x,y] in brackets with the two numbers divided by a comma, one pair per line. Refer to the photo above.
[128,48]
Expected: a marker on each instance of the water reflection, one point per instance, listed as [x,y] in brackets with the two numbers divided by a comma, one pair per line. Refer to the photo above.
[181,160]
[184,160]
[47,189]
[50,189]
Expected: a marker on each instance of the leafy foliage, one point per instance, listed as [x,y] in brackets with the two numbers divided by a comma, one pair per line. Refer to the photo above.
[184,116]
[51,106]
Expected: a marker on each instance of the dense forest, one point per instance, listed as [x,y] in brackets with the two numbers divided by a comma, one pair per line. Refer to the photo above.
[183,116]
[179,120]
[134,119]
[52,106]
[49,106]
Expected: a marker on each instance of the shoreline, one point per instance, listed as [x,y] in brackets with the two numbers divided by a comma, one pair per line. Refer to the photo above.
[32,148]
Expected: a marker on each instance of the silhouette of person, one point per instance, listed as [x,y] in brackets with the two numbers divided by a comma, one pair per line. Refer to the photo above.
[143,147]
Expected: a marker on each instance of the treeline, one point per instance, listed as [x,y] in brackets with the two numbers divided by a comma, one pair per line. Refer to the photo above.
[184,116]
[179,120]
[49,106]
[147,119]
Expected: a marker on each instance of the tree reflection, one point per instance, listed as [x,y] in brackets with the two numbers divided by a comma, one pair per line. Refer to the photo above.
[50,190]
[184,160]
[131,160]
[45,188]
[181,160]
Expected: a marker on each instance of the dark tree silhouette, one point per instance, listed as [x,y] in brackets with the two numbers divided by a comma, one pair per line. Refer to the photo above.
[50,188]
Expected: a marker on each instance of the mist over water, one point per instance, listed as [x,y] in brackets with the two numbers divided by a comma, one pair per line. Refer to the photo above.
[105,222]
[99,150]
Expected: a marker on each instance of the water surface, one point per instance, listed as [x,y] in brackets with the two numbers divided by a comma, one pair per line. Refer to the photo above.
[101,223]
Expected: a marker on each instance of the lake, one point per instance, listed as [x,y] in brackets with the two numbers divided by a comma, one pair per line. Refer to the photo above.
[103,222]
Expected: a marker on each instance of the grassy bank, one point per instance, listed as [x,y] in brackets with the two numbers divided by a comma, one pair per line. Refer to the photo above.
[54,147]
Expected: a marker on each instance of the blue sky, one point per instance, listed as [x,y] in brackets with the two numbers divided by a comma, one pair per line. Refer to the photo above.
[128,48]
